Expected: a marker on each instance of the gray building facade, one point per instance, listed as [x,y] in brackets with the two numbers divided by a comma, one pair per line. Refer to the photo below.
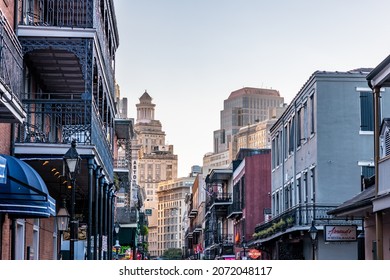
[322,147]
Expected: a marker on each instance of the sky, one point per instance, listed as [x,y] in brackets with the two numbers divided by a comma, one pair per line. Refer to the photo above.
[191,54]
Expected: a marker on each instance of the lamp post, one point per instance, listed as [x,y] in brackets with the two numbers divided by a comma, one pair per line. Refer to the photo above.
[117,246]
[62,220]
[243,244]
[71,163]
[313,235]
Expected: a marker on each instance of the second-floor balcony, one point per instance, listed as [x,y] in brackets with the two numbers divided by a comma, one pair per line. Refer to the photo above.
[212,239]
[52,121]
[297,218]
[235,210]
[128,216]
[218,203]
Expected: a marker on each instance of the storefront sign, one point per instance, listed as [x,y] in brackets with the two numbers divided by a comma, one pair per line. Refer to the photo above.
[254,254]
[340,233]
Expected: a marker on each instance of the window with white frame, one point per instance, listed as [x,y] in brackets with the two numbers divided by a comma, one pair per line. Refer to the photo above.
[313,185]
[366,110]
[35,247]
[312,114]
[299,127]
[299,191]
[19,239]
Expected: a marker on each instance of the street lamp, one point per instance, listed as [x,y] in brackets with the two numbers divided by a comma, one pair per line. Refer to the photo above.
[72,163]
[62,220]
[117,246]
[243,244]
[313,235]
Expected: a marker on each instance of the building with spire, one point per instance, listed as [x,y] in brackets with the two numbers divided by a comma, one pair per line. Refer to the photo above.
[156,162]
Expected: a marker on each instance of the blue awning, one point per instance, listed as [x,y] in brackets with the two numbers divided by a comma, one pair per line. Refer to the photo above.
[23,193]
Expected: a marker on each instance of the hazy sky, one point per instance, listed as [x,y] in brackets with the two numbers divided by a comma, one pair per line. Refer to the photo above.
[191,54]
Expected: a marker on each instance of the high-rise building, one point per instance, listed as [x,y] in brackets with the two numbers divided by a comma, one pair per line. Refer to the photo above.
[172,209]
[243,107]
[156,161]
[257,135]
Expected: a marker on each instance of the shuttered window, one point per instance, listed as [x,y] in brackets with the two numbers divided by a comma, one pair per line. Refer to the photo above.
[387,143]
[366,112]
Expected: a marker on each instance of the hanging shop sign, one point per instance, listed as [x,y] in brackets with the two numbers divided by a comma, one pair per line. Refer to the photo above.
[340,233]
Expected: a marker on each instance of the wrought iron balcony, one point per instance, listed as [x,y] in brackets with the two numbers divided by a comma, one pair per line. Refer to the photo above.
[11,71]
[212,238]
[235,210]
[121,163]
[219,199]
[52,121]
[72,15]
[298,216]
[127,215]
[192,212]
[61,13]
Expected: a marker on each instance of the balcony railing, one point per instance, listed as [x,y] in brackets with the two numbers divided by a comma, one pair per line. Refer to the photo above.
[59,121]
[234,210]
[219,199]
[127,215]
[298,216]
[11,60]
[121,162]
[61,13]
[213,238]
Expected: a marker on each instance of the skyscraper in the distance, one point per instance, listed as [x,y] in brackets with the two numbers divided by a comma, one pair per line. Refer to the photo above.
[156,161]
[243,107]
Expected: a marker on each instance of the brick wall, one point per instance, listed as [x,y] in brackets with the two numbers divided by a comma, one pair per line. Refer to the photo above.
[5,139]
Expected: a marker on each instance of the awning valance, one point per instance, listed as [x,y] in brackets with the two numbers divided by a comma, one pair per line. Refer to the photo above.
[23,193]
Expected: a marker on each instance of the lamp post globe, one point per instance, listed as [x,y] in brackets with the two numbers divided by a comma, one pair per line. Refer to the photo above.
[313,232]
[313,236]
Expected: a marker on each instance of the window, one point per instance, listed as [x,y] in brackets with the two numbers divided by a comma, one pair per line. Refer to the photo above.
[35,247]
[285,141]
[299,192]
[368,171]
[299,127]
[313,186]
[291,140]
[366,111]
[305,122]
[312,114]
[273,153]
[19,239]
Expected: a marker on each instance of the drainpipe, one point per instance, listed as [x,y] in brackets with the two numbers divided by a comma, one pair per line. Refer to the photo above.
[90,207]
[15,15]
[378,214]
[13,236]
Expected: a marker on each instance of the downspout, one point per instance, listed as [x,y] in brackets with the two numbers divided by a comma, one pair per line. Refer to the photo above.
[378,214]
[13,236]
[15,15]
[100,230]
[90,207]
[96,218]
